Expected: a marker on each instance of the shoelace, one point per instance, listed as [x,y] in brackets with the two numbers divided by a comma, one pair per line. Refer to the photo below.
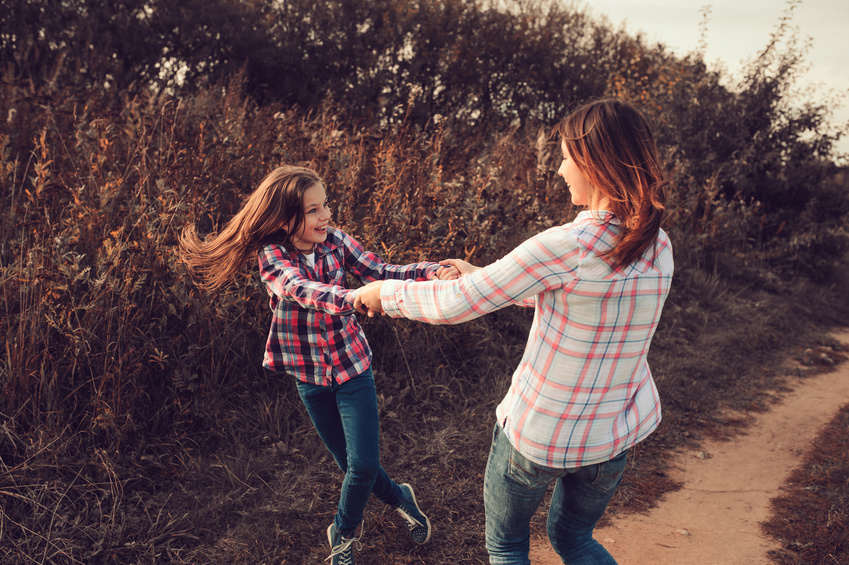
[345,544]
[411,522]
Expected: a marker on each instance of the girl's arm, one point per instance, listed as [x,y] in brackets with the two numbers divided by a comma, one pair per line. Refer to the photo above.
[544,262]
[283,278]
[367,267]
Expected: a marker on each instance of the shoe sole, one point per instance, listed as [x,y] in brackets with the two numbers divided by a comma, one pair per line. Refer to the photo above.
[416,502]
[330,535]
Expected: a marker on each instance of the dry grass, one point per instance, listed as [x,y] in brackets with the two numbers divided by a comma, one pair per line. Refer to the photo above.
[811,519]
[135,423]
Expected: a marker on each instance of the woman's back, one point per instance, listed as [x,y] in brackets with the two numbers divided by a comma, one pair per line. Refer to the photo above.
[583,388]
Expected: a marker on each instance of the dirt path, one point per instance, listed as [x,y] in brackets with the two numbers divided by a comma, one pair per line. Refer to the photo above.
[714,519]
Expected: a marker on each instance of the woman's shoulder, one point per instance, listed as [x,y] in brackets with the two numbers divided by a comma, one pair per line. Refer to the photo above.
[588,229]
[567,242]
[664,245]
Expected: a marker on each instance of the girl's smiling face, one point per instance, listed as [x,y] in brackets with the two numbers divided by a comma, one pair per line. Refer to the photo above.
[579,187]
[316,219]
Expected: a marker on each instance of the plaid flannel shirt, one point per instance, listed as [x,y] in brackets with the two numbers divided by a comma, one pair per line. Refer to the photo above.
[314,334]
[583,391]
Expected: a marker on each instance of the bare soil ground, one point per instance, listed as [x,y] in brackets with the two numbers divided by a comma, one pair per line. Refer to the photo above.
[727,486]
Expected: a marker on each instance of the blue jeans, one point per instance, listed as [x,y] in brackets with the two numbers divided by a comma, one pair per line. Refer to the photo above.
[345,417]
[513,489]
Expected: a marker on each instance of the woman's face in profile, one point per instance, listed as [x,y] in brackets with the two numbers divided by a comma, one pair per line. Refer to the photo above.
[579,187]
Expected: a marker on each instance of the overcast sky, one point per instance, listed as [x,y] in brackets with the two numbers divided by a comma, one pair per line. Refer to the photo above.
[739,29]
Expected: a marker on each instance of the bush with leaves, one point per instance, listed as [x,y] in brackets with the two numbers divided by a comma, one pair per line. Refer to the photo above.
[119,379]
[754,168]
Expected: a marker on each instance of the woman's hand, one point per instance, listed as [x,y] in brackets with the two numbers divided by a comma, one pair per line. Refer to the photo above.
[462,267]
[448,273]
[368,299]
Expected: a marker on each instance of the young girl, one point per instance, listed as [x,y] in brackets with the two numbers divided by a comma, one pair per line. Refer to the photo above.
[583,393]
[314,334]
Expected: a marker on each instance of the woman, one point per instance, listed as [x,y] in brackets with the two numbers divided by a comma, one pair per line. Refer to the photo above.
[582,394]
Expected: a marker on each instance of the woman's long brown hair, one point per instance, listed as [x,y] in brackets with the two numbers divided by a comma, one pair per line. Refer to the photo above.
[278,200]
[612,145]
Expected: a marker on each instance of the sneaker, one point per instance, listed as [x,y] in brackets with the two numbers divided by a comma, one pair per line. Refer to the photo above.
[341,549]
[417,522]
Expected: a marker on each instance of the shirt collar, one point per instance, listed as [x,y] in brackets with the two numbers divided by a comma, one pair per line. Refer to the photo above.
[320,249]
[604,216]
[328,245]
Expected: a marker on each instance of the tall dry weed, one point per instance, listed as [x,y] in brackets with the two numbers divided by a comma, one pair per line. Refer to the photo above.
[119,380]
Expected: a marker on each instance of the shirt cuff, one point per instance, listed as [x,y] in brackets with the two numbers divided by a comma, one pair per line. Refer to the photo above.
[430,272]
[352,295]
[391,306]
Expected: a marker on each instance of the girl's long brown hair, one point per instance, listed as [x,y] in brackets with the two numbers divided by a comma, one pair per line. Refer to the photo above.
[278,199]
[613,146]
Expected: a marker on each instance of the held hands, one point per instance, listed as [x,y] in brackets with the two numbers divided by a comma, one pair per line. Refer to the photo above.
[368,299]
[448,273]
[455,265]
[368,302]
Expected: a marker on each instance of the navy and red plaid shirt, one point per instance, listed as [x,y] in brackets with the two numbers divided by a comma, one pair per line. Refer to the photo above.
[314,334]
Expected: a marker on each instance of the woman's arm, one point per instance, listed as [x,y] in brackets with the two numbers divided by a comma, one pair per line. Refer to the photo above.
[463,268]
[544,262]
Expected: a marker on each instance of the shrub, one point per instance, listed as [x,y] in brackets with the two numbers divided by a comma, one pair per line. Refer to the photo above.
[753,167]
[116,370]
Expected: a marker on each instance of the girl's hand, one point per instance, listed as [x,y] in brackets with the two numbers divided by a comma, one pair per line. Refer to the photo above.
[368,299]
[447,273]
[462,267]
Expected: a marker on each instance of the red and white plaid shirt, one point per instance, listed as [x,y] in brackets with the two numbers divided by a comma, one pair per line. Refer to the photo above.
[314,334]
[583,391]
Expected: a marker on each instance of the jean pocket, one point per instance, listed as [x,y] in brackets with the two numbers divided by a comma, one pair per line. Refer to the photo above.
[609,473]
[526,472]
